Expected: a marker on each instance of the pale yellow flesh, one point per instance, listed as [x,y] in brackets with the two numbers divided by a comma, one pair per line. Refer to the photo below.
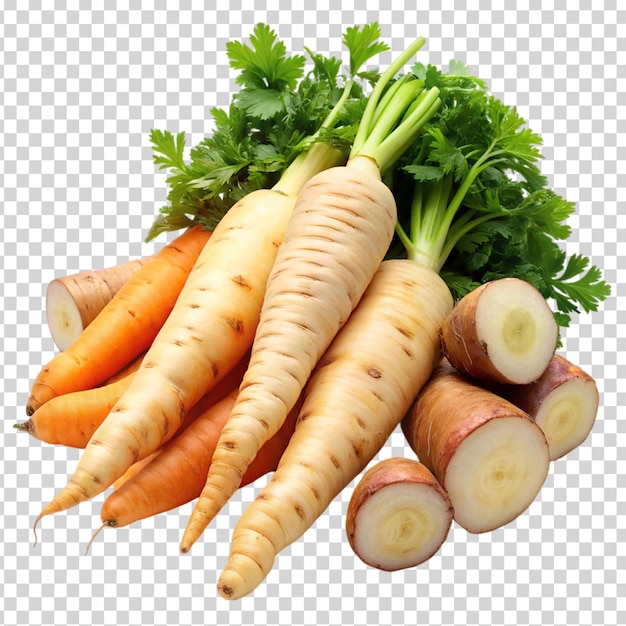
[401,526]
[63,316]
[567,415]
[518,330]
[496,473]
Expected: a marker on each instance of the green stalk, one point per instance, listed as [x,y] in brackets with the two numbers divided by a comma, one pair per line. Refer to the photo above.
[433,232]
[370,110]
[396,112]
[318,157]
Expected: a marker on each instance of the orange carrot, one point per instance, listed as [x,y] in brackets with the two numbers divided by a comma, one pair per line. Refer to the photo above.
[74,301]
[135,468]
[177,474]
[125,327]
[340,231]
[73,418]
[131,368]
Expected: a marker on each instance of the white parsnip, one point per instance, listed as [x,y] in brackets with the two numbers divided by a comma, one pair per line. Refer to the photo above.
[359,392]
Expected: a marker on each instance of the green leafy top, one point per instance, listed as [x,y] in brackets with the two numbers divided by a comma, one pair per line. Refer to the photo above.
[475,207]
[265,65]
[276,115]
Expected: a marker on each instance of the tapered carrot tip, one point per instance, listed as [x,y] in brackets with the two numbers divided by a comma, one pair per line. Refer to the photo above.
[26,426]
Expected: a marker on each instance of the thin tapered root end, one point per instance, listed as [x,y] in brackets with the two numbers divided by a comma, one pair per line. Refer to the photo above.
[195,527]
[230,585]
[96,533]
[222,482]
[26,426]
[241,576]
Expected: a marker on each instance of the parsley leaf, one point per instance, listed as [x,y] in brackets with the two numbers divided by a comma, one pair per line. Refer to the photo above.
[479,207]
[278,112]
[266,64]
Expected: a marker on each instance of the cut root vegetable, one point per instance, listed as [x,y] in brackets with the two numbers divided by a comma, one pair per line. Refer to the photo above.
[503,331]
[74,301]
[564,403]
[490,456]
[398,515]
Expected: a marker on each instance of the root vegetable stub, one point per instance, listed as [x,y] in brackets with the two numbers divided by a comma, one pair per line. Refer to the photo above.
[503,331]
[490,456]
[398,515]
[74,301]
[564,403]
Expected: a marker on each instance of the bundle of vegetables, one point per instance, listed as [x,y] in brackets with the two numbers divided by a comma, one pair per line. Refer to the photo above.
[330,224]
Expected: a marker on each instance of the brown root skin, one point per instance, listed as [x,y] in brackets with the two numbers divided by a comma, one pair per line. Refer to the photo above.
[530,397]
[464,333]
[448,408]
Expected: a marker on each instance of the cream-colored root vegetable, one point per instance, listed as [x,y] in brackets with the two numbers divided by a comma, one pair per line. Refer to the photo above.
[490,456]
[503,331]
[398,515]
[339,233]
[360,390]
[312,290]
[563,401]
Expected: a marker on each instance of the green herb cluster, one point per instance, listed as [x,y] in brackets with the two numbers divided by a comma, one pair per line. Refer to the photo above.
[472,201]
[278,111]
[475,206]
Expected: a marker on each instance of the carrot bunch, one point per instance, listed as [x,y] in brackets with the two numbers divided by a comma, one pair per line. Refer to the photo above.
[301,315]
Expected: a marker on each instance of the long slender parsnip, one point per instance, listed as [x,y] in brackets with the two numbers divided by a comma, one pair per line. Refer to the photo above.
[359,392]
[340,231]
[207,333]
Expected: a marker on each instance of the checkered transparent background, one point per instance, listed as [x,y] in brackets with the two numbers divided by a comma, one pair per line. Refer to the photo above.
[79,91]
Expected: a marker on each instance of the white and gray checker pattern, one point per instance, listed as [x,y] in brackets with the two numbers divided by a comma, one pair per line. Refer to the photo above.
[80,88]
